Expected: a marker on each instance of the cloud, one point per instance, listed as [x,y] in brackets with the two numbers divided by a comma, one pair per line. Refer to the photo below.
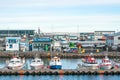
[48,3]
[83,19]
[62,23]
[14,16]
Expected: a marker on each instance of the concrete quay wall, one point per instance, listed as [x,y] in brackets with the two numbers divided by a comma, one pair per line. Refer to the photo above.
[60,72]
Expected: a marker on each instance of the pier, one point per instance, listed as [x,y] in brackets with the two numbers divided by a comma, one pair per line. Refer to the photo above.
[60,72]
[61,55]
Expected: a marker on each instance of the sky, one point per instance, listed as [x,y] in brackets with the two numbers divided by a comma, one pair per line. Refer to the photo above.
[60,15]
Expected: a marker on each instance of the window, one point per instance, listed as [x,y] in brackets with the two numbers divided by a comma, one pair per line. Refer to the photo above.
[38,61]
[12,41]
[10,46]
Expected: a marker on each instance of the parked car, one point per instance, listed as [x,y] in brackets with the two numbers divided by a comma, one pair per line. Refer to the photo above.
[66,50]
[74,50]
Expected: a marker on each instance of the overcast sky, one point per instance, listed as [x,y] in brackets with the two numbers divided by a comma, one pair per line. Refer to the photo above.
[60,15]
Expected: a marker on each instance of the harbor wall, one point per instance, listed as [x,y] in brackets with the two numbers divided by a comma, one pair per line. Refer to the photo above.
[61,55]
[60,72]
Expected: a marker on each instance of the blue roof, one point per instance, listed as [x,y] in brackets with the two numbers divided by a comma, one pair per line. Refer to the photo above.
[42,40]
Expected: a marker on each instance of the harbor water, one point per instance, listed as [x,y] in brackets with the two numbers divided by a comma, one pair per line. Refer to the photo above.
[67,64]
[60,77]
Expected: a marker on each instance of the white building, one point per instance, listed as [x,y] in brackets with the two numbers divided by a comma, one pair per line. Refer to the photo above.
[117,38]
[110,40]
[100,35]
[12,43]
[57,45]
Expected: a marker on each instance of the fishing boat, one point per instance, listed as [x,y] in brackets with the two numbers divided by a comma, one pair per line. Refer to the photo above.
[36,64]
[55,63]
[90,62]
[106,63]
[16,63]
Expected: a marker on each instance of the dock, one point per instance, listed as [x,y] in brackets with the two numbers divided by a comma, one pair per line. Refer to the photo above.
[61,55]
[60,72]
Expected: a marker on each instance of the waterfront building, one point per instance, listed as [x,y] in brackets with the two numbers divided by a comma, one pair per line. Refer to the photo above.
[73,37]
[100,35]
[60,35]
[110,40]
[56,45]
[92,43]
[12,43]
[41,44]
[16,33]
[24,44]
[28,34]
[117,38]
[87,36]
[64,43]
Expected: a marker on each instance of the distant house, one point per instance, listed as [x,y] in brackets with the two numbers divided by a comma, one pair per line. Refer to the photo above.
[16,33]
[117,38]
[110,40]
[41,44]
[12,43]
[100,35]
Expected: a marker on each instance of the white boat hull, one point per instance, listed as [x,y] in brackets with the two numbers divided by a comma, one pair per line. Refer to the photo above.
[37,67]
[106,63]
[37,64]
[91,66]
[15,67]
[16,63]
